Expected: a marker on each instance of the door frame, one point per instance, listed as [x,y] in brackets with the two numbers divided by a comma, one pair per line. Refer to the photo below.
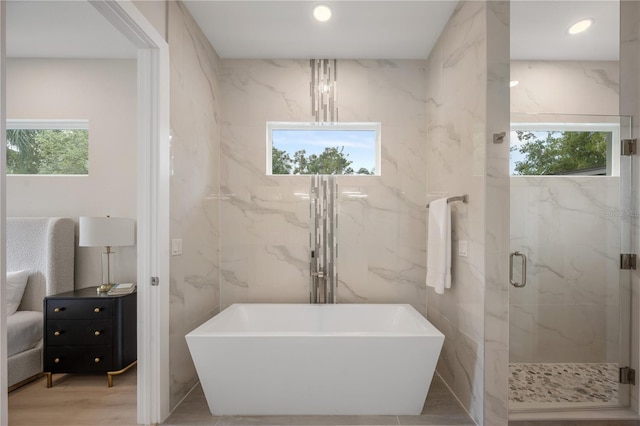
[153,206]
[4,399]
[153,172]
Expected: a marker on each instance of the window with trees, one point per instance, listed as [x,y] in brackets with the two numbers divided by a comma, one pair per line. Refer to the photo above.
[47,147]
[565,149]
[323,148]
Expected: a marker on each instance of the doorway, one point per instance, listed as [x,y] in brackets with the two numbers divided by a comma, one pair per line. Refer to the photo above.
[570,300]
[151,205]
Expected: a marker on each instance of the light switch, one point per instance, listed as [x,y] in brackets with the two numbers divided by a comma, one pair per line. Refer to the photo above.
[463,247]
[176,247]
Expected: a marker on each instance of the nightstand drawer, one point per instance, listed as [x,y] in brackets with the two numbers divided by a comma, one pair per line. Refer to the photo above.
[89,332]
[74,359]
[78,332]
[79,309]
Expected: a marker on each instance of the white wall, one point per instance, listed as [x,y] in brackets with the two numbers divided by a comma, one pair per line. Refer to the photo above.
[467,102]
[569,310]
[265,233]
[455,166]
[102,91]
[195,204]
[630,105]
[565,87]
[156,14]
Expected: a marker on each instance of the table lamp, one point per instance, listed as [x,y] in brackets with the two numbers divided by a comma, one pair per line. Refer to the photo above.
[108,232]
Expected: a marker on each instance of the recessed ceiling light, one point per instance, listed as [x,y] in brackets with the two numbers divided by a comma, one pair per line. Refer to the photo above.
[322,12]
[581,26]
[513,83]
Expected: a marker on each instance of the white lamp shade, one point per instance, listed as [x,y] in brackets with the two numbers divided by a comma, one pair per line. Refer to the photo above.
[106,231]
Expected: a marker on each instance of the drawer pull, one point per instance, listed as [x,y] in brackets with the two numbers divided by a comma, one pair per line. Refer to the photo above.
[96,360]
[96,310]
[56,360]
[56,310]
[97,333]
[57,333]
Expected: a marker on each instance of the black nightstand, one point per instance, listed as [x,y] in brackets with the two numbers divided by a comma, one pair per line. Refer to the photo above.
[87,332]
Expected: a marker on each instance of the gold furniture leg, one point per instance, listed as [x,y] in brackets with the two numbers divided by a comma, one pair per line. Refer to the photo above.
[49,379]
[110,374]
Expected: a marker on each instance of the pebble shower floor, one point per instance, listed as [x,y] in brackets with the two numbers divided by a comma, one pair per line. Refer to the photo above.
[563,383]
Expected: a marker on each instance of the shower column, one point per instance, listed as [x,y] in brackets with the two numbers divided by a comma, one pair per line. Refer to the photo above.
[322,239]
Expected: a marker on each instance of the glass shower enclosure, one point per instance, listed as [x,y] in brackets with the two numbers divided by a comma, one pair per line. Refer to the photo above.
[570,305]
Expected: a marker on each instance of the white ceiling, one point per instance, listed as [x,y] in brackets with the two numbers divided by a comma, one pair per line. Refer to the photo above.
[539,30]
[359,29]
[397,29]
[62,29]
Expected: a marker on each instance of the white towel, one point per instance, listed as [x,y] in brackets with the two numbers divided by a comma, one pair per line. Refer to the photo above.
[439,246]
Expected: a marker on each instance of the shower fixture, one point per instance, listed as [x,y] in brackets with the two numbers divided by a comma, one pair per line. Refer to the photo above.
[324,248]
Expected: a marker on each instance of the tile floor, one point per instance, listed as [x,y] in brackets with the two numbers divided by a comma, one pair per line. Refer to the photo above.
[441,408]
[563,383]
[576,423]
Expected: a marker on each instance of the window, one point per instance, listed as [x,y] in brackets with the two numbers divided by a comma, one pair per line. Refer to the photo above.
[565,149]
[323,148]
[47,147]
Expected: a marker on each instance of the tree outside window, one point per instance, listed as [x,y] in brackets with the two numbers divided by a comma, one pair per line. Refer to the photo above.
[561,153]
[47,151]
[312,148]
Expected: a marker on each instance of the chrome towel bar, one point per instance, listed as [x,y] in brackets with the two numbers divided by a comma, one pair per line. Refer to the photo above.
[464,198]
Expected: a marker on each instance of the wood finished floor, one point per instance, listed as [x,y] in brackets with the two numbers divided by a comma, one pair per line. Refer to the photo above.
[441,408]
[75,400]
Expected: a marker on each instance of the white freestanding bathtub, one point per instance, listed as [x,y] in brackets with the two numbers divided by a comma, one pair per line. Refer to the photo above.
[286,359]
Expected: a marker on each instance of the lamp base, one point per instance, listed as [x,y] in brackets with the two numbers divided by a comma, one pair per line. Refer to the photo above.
[104,288]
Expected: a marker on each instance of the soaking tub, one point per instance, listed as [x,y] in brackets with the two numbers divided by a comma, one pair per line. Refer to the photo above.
[290,359]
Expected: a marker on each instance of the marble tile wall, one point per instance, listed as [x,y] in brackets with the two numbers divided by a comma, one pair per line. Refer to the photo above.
[264,241]
[265,238]
[630,105]
[570,232]
[577,82]
[496,307]
[569,310]
[467,75]
[194,186]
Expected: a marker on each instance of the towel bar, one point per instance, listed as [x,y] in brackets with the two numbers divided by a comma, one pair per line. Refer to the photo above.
[464,198]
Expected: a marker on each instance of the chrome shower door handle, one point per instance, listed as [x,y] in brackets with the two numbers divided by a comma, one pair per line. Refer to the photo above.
[524,269]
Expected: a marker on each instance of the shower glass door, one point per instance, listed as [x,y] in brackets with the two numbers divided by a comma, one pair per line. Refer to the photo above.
[570,219]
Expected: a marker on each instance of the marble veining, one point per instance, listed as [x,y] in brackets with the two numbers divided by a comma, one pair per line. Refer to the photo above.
[594,86]
[569,309]
[629,69]
[231,279]
[194,212]
[380,233]
[467,92]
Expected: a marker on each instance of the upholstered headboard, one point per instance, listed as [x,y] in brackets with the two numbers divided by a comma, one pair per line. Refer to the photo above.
[46,246]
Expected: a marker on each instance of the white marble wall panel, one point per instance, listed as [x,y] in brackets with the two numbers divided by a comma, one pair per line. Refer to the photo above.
[195,200]
[630,105]
[565,87]
[467,73]
[569,311]
[496,307]
[570,232]
[265,238]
